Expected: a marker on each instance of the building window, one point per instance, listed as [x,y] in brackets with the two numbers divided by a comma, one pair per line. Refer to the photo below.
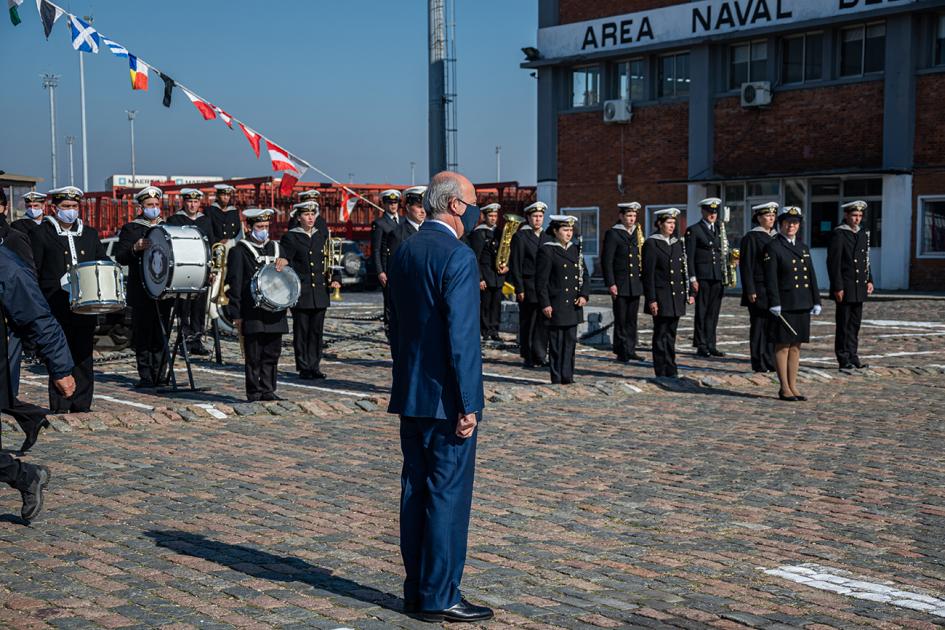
[649,226]
[588,228]
[802,58]
[631,80]
[931,226]
[674,75]
[733,196]
[748,62]
[585,86]
[862,49]
[871,191]
[940,41]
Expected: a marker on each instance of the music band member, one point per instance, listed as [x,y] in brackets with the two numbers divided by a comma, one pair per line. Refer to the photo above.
[754,292]
[622,265]
[562,283]
[304,196]
[665,287]
[484,241]
[851,281]
[380,227]
[35,210]
[706,272]
[793,297]
[303,248]
[149,317]
[60,243]
[532,332]
[260,329]
[414,216]
[193,310]
[224,217]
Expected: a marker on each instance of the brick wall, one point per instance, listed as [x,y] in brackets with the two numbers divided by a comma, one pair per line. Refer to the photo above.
[655,148]
[929,122]
[925,274]
[811,128]
[580,10]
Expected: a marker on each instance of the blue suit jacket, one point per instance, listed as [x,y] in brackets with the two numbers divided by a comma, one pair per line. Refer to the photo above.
[434,324]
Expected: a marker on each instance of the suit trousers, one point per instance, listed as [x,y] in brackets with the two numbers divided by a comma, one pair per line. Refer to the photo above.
[664,345]
[436,496]
[80,335]
[847,339]
[562,341]
[147,338]
[490,311]
[533,333]
[262,363]
[193,318]
[625,325]
[27,415]
[308,327]
[762,350]
[10,472]
[386,292]
[14,359]
[708,305]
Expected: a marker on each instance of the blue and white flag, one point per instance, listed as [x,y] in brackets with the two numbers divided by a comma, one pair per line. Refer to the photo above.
[84,37]
[117,49]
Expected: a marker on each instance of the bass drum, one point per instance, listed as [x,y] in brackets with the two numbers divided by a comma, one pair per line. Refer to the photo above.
[177,262]
[275,290]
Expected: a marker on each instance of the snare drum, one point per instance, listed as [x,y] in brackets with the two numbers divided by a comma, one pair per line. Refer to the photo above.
[176,262]
[96,287]
[275,290]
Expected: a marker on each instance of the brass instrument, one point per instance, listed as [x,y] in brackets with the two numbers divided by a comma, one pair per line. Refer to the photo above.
[730,261]
[512,223]
[332,257]
[640,239]
[580,244]
[218,255]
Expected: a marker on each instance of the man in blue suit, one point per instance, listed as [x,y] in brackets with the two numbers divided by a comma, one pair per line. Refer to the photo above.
[437,391]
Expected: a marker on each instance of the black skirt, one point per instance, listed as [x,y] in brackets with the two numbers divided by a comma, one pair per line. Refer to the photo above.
[779,334]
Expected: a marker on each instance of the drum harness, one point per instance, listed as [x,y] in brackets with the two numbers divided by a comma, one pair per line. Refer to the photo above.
[70,236]
[260,259]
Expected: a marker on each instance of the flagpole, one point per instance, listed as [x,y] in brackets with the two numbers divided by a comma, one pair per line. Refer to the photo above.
[85,135]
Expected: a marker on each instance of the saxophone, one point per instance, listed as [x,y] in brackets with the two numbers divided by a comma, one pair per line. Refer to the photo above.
[729,256]
[580,244]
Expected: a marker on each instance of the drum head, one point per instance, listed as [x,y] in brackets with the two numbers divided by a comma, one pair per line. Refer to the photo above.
[277,290]
[157,261]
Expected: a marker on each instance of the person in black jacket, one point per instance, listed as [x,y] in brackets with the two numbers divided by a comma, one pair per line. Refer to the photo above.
[562,283]
[193,310]
[35,210]
[260,329]
[303,249]
[754,294]
[851,281]
[224,217]
[706,266]
[793,297]
[60,243]
[621,263]
[532,332]
[484,241]
[665,287]
[149,317]
[380,227]
[414,216]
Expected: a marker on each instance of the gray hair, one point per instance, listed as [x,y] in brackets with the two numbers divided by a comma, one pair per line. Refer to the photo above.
[444,187]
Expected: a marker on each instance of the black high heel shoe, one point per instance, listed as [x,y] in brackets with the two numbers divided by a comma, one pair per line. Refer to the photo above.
[788,398]
[800,398]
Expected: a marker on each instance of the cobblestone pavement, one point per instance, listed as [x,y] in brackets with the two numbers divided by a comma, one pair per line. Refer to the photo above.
[620,501]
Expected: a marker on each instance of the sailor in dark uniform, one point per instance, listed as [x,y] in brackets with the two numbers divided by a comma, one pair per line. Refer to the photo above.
[35,210]
[380,227]
[224,217]
[193,310]
[621,263]
[484,241]
[60,243]
[303,249]
[562,283]
[149,317]
[793,297]
[414,216]
[304,196]
[260,329]
[706,272]
[851,281]
[532,331]
[754,294]
[665,287]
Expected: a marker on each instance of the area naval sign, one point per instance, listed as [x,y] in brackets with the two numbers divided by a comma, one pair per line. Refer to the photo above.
[692,20]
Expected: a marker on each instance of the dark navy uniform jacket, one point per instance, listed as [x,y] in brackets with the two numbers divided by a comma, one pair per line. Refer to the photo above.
[226,223]
[392,240]
[790,279]
[306,257]
[203,223]
[522,260]
[484,242]
[241,266]
[664,275]
[53,259]
[130,233]
[380,227]
[621,261]
[848,263]
[704,248]
[560,282]
[751,266]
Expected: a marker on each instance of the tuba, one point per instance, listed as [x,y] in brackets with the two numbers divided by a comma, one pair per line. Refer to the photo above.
[332,258]
[218,289]
[512,223]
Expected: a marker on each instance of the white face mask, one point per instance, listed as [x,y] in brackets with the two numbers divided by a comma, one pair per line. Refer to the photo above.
[151,213]
[34,213]
[67,216]
[261,235]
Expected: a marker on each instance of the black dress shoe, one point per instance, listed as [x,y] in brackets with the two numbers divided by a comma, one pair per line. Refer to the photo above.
[461,612]
[37,478]
[305,375]
[623,359]
[198,349]
[318,374]
[495,337]
[268,397]
[411,606]
[847,366]
[715,352]
[32,434]
[527,365]
[788,398]
[144,383]
[636,357]
[860,366]
[703,353]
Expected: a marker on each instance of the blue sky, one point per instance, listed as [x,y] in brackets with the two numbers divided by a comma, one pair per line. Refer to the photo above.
[342,84]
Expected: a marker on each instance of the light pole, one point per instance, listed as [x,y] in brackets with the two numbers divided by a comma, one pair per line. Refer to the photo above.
[85,135]
[131,119]
[413,173]
[50,81]
[70,140]
[498,163]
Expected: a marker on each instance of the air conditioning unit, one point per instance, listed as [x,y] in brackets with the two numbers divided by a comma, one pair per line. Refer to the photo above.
[618,111]
[756,94]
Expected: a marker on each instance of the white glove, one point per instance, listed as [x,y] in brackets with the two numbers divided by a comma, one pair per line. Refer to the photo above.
[775,310]
[816,310]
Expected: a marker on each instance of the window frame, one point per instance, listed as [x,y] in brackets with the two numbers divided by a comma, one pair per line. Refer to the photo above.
[921,200]
[938,43]
[675,81]
[646,78]
[864,29]
[804,58]
[585,67]
[752,44]
[576,212]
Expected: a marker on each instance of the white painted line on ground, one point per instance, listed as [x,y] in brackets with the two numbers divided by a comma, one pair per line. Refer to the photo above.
[343,392]
[820,373]
[845,583]
[874,356]
[902,323]
[524,379]
[123,402]
[212,410]
[633,387]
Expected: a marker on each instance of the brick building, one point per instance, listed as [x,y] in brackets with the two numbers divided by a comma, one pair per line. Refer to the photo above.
[804,102]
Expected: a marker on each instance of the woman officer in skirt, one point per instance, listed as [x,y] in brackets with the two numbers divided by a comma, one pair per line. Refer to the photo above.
[793,297]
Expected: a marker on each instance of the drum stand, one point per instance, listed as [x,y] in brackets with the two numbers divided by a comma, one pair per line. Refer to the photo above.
[180,345]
